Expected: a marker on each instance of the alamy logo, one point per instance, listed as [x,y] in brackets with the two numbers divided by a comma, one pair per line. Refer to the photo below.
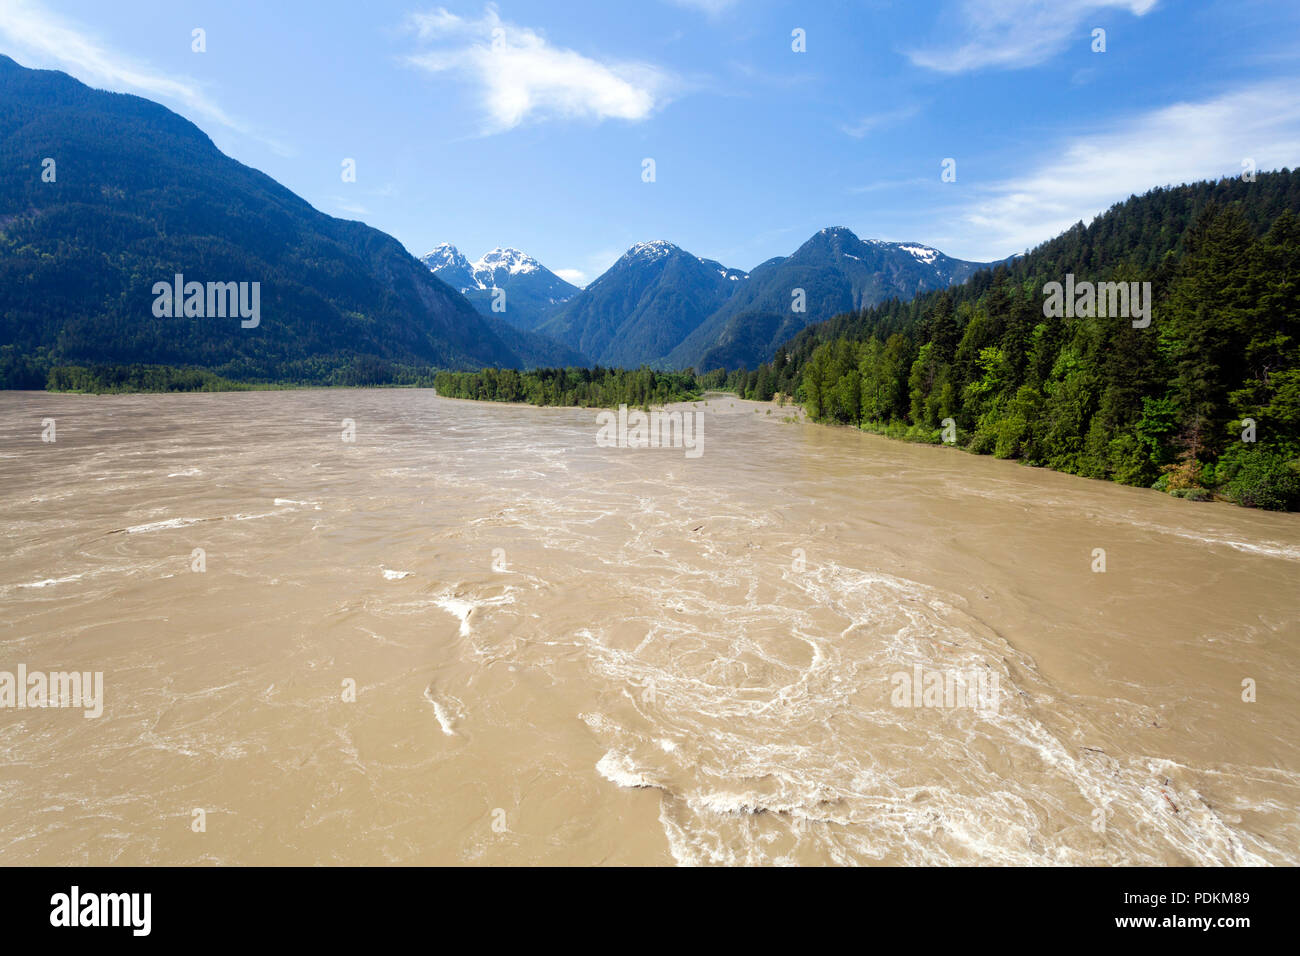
[657,430]
[1087,300]
[215,300]
[74,908]
[37,689]
[976,689]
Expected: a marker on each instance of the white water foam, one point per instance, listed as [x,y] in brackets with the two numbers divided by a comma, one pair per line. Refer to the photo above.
[49,582]
[163,525]
[441,712]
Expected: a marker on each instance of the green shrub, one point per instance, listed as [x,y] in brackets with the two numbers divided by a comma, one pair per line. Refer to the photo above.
[1261,477]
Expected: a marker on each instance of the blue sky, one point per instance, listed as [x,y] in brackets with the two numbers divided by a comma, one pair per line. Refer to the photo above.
[526,124]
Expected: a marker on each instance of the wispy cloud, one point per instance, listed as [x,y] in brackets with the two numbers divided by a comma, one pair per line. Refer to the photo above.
[757,81]
[51,40]
[875,121]
[349,207]
[1180,143]
[1010,34]
[522,77]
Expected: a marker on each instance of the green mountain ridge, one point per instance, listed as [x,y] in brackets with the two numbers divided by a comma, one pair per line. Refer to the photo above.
[836,271]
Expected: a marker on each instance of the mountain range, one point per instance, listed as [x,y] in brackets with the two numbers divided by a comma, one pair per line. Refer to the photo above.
[105,196]
[660,305]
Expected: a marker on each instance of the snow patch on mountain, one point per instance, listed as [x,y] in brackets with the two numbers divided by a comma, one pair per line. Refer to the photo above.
[923,253]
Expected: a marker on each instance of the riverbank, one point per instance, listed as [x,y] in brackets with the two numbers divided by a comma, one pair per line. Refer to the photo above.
[1257,479]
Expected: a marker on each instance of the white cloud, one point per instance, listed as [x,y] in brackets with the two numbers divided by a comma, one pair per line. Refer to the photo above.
[521,76]
[1181,143]
[29,26]
[1008,34]
[575,276]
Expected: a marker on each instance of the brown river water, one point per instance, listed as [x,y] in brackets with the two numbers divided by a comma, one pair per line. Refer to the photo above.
[572,654]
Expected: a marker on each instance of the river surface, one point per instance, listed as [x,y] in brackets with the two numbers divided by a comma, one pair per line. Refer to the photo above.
[473,636]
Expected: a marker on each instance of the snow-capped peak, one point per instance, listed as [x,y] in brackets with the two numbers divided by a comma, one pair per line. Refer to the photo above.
[445,255]
[650,251]
[487,273]
[512,260]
